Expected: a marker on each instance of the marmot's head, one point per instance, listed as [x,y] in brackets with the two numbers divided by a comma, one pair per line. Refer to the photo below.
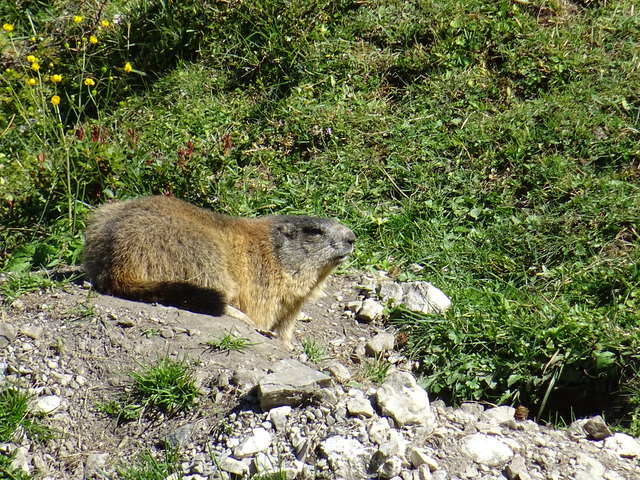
[303,243]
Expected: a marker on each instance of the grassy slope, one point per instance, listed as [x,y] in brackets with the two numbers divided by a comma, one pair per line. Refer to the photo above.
[495,143]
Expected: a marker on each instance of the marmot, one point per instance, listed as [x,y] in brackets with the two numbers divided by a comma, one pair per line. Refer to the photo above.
[165,250]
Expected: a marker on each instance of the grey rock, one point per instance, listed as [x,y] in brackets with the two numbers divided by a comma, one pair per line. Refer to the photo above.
[47,404]
[265,464]
[370,311]
[179,436]
[486,450]
[498,415]
[390,468]
[347,457]
[425,298]
[278,416]
[624,445]
[258,441]
[391,291]
[339,372]
[400,398]
[233,466]
[381,343]
[418,456]
[7,335]
[358,405]
[517,469]
[95,464]
[596,428]
[293,383]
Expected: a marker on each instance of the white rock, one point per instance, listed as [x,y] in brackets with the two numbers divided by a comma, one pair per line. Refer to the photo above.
[392,467]
[339,372]
[402,399]
[95,464]
[231,465]
[425,298]
[486,450]
[379,430]
[47,404]
[381,343]
[278,416]
[346,456]
[417,456]
[358,405]
[623,444]
[370,311]
[498,415]
[258,441]
[264,463]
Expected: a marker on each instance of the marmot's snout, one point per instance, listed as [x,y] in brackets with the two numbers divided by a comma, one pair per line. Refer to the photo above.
[347,239]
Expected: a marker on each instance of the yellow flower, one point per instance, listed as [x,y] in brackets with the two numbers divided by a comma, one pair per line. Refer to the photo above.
[56,78]
[127,67]
[7,27]
[31,82]
[105,23]
[89,82]
[93,39]
[35,66]
[32,59]
[77,19]
[55,100]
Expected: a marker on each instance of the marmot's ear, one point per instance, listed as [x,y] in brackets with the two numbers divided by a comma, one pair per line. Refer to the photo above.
[286,228]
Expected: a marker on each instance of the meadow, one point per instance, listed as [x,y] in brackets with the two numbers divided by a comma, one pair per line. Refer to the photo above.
[495,144]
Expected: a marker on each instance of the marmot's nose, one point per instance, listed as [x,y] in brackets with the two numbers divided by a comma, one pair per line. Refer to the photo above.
[349,236]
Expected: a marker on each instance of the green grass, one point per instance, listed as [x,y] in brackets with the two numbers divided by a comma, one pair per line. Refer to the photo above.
[15,414]
[229,342]
[376,369]
[313,350]
[494,143]
[167,388]
[147,467]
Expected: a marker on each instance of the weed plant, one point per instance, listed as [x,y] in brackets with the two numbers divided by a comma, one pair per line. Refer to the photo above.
[493,142]
[167,388]
[145,466]
[229,342]
[313,350]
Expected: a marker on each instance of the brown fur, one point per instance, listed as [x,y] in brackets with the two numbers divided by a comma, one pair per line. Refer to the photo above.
[161,249]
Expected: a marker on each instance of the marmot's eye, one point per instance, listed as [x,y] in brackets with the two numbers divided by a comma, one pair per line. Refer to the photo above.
[312,231]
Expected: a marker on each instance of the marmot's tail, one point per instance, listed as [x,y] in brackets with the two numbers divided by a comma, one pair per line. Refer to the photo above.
[173,294]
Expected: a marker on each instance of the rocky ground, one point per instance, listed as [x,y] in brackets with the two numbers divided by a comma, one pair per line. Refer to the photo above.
[267,408]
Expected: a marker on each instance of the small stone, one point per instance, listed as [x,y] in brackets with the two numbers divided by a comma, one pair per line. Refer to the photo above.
[596,428]
[94,464]
[278,416]
[517,469]
[425,298]
[48,404]
[498,415]
[624,445]
[358,405]
[401,398]
[31,331]
[370,311]
[233,466]
[487,450]
[417,456]
[347,457]
[293,383]
[258,441]
[381,343]
[392,467]
[338,371]
[7,335]
[179,436]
